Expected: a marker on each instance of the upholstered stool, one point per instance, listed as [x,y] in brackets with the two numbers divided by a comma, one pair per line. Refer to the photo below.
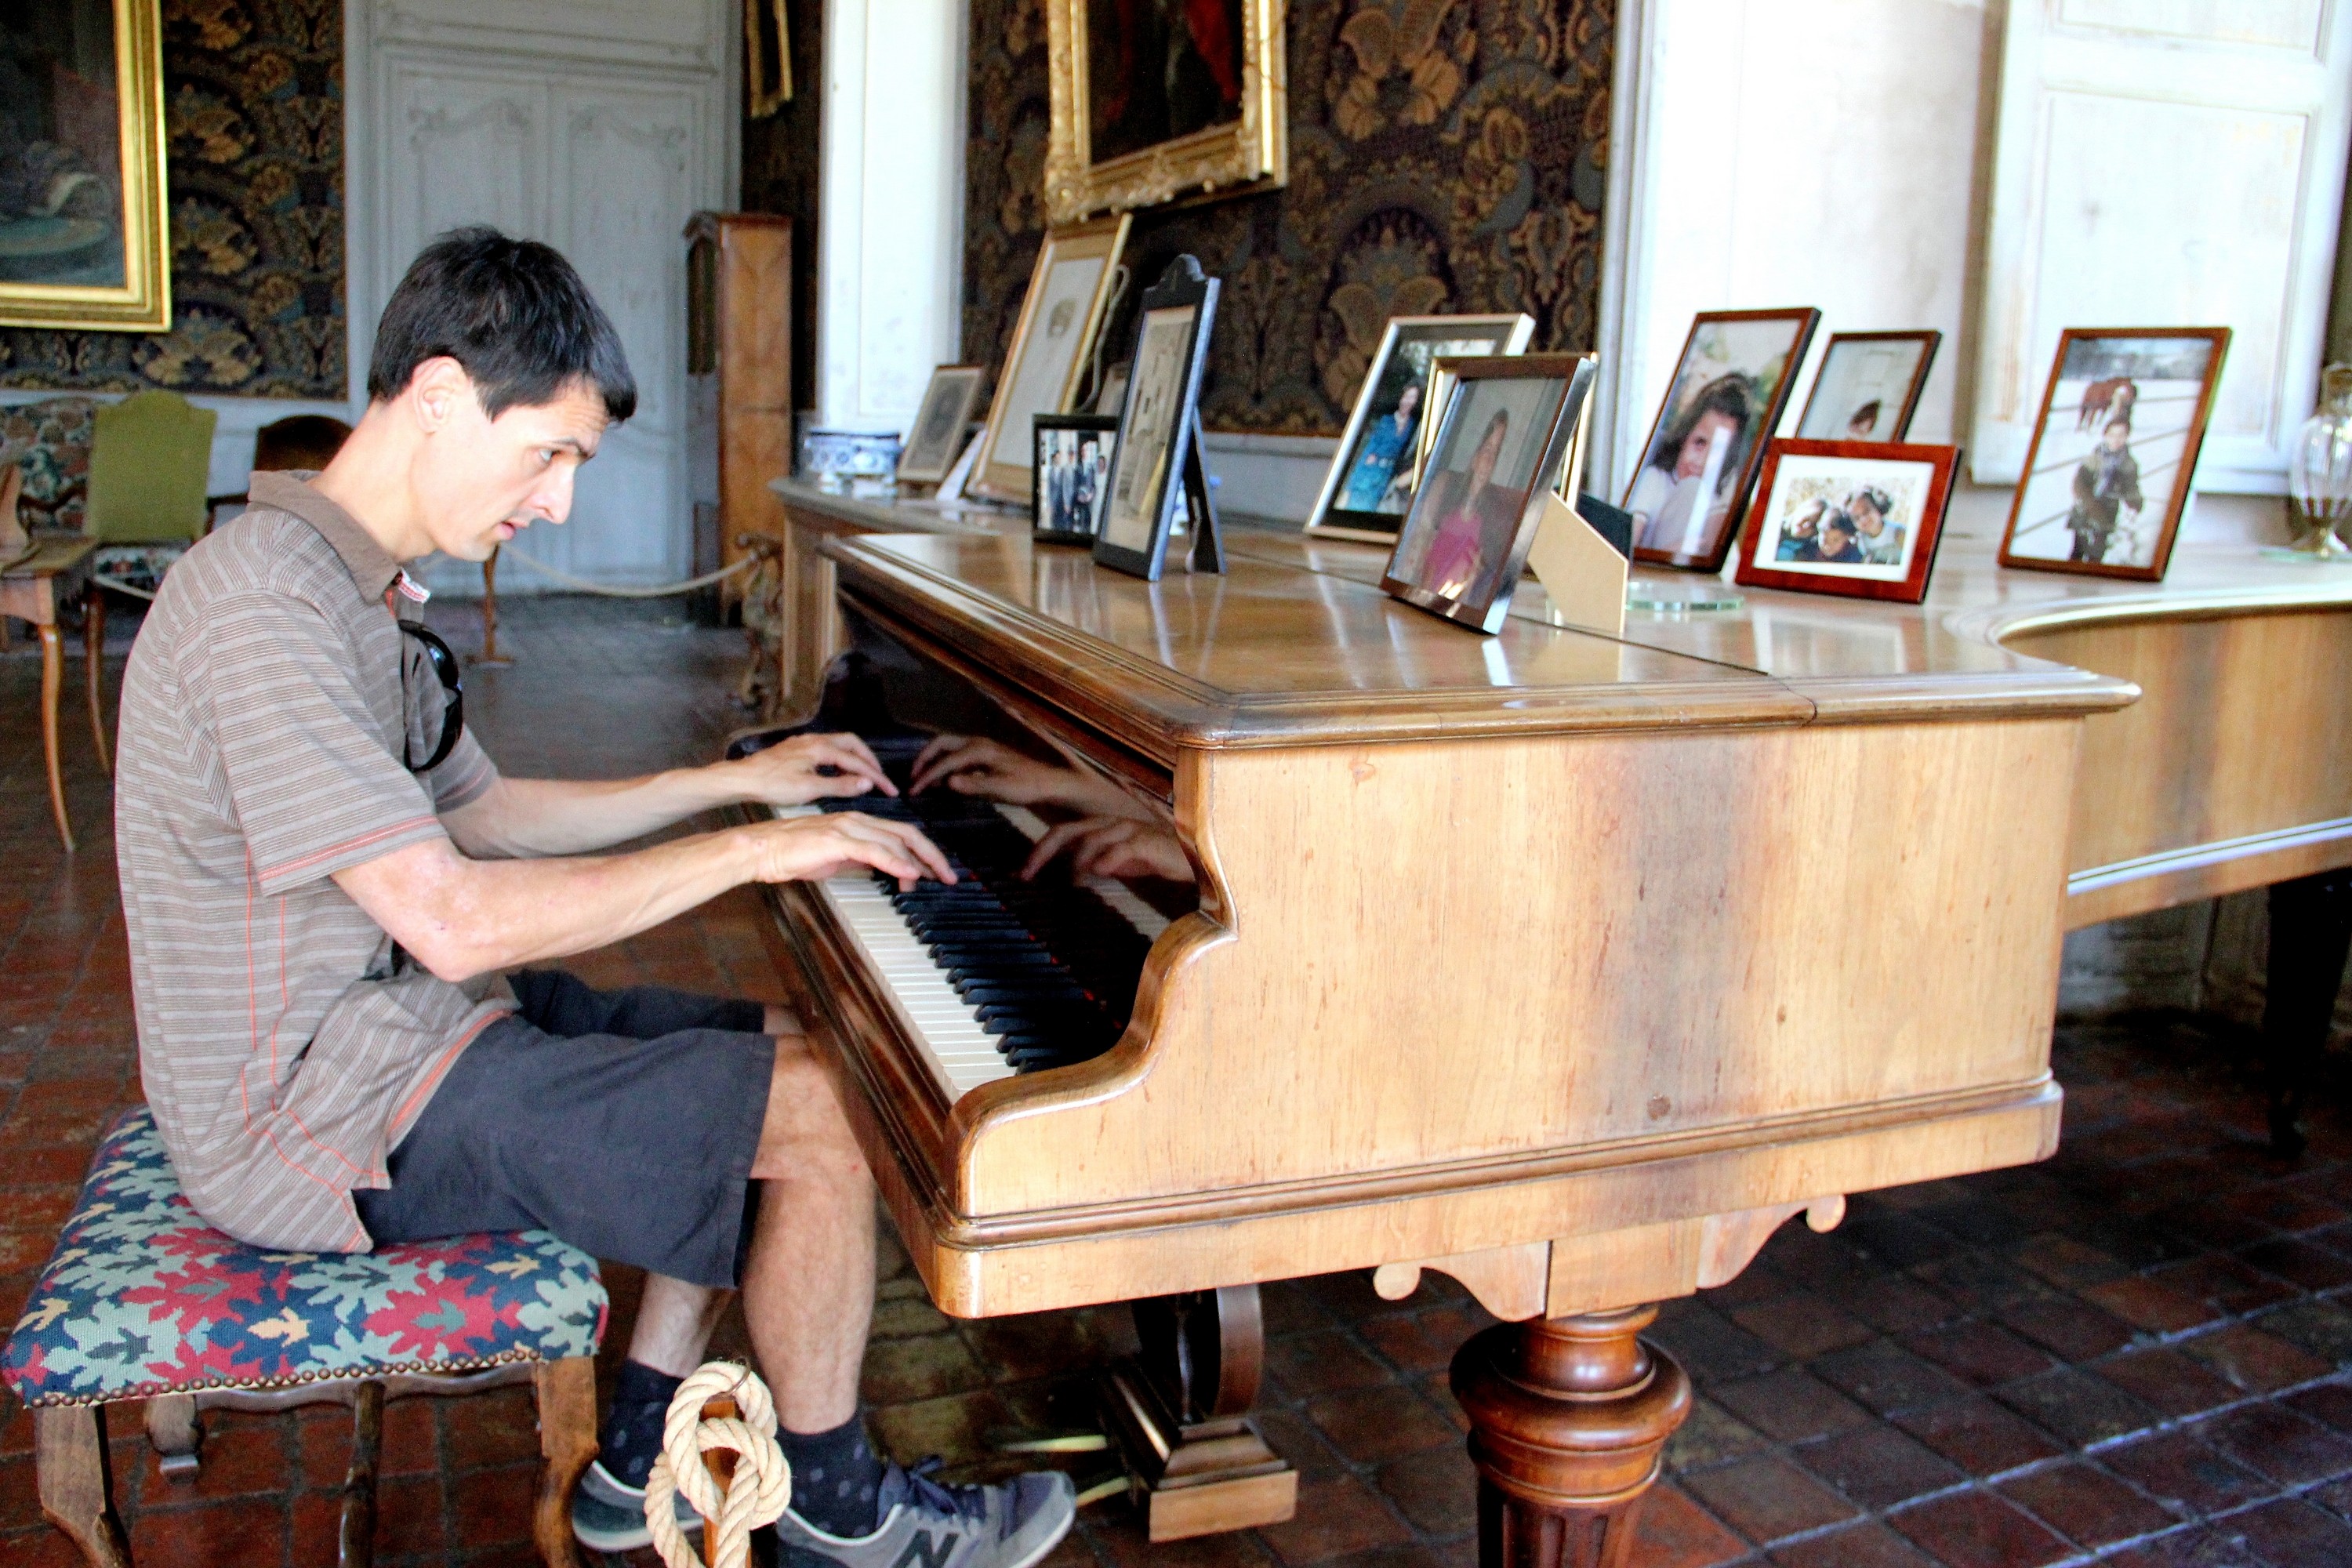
[142,1299]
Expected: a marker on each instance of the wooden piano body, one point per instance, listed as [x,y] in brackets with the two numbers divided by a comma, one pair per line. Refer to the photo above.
[1567,965]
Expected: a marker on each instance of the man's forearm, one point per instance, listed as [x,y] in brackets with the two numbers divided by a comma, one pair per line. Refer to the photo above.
[527,817]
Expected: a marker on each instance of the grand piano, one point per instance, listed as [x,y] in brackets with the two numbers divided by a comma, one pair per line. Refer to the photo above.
[1566,966]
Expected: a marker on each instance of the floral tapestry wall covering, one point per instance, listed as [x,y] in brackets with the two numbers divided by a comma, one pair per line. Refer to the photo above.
[254,108]
[1445,156]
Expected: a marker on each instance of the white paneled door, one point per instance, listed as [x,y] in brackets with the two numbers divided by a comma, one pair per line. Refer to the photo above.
[599,129]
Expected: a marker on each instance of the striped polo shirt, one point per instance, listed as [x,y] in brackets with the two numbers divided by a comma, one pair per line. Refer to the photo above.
[285,1043]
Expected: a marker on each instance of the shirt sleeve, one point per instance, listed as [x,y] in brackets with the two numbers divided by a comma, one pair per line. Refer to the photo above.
[464,776]
[311,774]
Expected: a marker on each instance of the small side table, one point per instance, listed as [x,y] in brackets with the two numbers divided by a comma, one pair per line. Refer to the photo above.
[31,589]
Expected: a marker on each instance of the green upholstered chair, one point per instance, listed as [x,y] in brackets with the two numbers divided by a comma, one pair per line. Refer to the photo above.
[148,463]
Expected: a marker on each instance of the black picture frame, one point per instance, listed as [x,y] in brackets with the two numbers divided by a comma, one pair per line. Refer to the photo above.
[1045,438]
[1485,598]
[1159,424]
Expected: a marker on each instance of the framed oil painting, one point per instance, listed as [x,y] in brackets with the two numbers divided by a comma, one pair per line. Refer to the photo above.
[1868,387]
[84,235]
[1069,290]
[1370,487]
[2108,474]
[933,445]
[1502,444]
[1859,519]
[1152,100]
[1723,405]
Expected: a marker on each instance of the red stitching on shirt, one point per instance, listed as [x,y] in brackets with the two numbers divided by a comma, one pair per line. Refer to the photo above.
[333,849]
[441,1069]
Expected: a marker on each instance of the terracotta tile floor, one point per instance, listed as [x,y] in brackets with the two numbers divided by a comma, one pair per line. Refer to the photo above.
[2133,1352]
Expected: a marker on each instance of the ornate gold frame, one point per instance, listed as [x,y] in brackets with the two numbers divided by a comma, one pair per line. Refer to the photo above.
[1254,153]
[144,302]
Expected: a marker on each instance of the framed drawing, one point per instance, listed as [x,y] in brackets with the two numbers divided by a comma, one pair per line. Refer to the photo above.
[936,438]
[1151,101]
[1074,453]
[85,239]
[1157,439]
[1069,289]
[2108,476]
[1868,387]
[1370,487]
[1502,444]
[1722,405]
[1857,518]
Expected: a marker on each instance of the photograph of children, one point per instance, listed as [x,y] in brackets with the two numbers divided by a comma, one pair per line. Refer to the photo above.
[1490,454]
[1868,387]
[1370,487]
[61,207]
[1723,405]
[2109,471]
[1141,467]
[938,436]
[1159,69]
[1848,517]
[1073,476]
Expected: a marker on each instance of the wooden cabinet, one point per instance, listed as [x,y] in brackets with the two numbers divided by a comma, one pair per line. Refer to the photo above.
[739,376]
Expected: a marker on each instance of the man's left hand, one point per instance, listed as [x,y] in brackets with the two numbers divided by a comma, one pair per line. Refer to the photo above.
[810,767]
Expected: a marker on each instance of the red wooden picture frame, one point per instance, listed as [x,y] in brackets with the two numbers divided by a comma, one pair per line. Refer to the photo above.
[1943,463]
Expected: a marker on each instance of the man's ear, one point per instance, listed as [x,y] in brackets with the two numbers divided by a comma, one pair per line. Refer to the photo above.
[439,392]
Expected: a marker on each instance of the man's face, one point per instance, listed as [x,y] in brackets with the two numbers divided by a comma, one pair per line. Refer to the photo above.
[484,480]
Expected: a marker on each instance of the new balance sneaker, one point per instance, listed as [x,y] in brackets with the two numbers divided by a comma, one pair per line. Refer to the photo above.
[609,1515]
[929,1524]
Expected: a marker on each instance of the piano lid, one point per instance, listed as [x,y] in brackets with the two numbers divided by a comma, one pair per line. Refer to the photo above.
[1272,653]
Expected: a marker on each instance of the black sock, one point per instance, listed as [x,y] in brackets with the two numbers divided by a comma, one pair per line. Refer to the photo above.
[631,1437]
[836,1480]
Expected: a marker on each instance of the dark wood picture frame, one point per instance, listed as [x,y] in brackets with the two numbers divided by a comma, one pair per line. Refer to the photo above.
[2193,441]
[1040,527]
[962,382]
[1943,464]
[1159,424]
[1930,341]
[1575,373]
[1803,320]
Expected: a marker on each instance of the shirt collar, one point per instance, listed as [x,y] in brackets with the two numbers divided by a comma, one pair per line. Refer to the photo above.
[373,570]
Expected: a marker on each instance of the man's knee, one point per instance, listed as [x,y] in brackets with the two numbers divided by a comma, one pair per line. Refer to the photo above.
[807,1132]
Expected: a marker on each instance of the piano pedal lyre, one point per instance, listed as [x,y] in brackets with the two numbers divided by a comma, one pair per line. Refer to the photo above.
[1178,1416]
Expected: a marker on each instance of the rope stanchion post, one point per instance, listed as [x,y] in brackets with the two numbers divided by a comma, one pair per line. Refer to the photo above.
[719,1447]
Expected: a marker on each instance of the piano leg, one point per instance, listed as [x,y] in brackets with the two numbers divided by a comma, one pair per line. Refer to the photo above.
[1180,1417]
[2311,931]
[1568,1417]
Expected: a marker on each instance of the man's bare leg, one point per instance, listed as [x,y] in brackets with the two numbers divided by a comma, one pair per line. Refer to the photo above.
[676,1319]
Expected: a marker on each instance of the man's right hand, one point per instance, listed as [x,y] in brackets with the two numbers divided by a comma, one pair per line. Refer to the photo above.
[810,848]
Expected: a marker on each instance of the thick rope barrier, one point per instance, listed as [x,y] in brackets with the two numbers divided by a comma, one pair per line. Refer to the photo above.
[763,1483]
[665,591]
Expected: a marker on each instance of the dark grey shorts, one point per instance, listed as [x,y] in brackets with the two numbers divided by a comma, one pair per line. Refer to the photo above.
[624,1121]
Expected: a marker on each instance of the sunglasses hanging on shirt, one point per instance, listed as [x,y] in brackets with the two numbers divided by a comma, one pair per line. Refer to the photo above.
[453,707]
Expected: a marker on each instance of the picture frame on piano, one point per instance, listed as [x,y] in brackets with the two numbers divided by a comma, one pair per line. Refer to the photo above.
[1731,383]
[1857,519]
[1370,487]
[1868,387]
[1071,290]
[936,438]
[1157,466]
[1073,462]
[1496,463]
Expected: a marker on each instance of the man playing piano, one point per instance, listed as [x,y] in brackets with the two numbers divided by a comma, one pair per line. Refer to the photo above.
[331,896]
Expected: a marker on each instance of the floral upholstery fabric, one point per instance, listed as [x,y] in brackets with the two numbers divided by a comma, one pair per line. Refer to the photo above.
[142,1297]
[141,566]
[50,440]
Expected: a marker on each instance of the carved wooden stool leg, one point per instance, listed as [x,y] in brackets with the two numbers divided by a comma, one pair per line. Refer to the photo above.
[567,1441]
[176,1435]
[77,1485]
[355,1543]
[1568,1419]
[53,675]
[2311,933]
[93,644]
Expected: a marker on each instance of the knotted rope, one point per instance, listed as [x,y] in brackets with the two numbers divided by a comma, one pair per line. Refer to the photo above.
[762,1481]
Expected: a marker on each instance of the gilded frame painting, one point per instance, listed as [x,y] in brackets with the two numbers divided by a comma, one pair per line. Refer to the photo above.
[85,235]
[1151,102]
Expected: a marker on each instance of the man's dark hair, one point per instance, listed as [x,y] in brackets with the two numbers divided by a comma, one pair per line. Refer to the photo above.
[513,312]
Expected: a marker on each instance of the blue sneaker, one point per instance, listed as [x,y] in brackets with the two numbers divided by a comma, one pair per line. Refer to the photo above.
[929,1524]
[609,1515]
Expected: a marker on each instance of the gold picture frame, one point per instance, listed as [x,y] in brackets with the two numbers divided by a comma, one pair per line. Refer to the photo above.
[1070,290]
[767,57]
[57,267]
[1232,103]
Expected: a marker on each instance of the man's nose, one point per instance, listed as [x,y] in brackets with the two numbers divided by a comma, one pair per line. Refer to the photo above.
[552,498]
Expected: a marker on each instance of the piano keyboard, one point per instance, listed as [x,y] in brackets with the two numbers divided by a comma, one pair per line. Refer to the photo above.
[991,976]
